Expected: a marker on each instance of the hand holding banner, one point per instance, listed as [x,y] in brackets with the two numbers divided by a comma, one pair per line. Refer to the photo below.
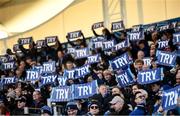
[8,80]
[81,53]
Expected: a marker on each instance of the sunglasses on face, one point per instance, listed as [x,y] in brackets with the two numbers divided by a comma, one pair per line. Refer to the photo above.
[94,107]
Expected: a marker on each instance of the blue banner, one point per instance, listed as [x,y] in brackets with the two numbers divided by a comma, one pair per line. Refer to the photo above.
[99,38]
[125,78]
[166,59]
[170,97]
[81,53]
[60,94]
[120,61]
[149,28]
[97,44]
[149,76]
[8,80]
[176,38]
[82,71]
[163,44]
[48,79]
[74,34]
[32,75]
[71,50]
[51,39]
[75,91]
[137,28]
[135,36]
[62,80]
[81,91]
[108,44]
[40,43]
[164,26]
[119,25]
[147,61]
[23,41]
[8,65]
[69,73]
[121,45]
[98,25]
[93,59]
[49,67]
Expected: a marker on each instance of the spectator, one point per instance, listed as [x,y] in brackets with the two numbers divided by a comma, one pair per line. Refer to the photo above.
[46,111]
[103,97]
[140,107]
[72,109]
[94,108]
[21,104]
[37,102]
[118,107]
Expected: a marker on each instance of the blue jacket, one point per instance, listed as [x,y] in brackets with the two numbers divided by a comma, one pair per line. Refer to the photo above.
[139,110]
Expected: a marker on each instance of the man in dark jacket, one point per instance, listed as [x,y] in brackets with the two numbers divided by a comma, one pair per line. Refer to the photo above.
[140,107]
[118,107]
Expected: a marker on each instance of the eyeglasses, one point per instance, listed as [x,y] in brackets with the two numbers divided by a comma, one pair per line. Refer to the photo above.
[141,96]
[94,107]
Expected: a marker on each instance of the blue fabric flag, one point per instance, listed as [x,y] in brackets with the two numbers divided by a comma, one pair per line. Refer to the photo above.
[119,25]
[8,65]
[48,79]
[82,71]
[169,98]
[61,94]
[8,80]
[81,53]
[120,61]
[93,59]
[147,61]
[163,44]
[176,38]
[62,80]
[49,67]
[74,34]
[121,45]
[81,91]
[98,25]
[32,75]
[69,73]
[166,59]
[23,41]
[108,44]
[125,78]
[149,76]
[40,43]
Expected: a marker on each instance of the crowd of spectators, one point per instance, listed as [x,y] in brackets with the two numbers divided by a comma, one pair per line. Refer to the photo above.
[26,98]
